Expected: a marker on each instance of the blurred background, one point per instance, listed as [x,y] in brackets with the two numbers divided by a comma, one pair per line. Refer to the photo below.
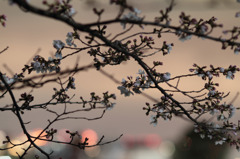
[27,34]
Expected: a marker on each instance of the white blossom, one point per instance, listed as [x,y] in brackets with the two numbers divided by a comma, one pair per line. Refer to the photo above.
[169,48]
[137,83]
[71,12]
[130,16]
[184,38]
[141,72]
[8,80]
[166,76]
[220,142]
[210,76]
[111,106]
[229,75]
[161,110]
[211,93]
[217,127]
[232,111]
[214,111]
[124,91]
[202,136]
[137,11]
[221,117]
[210,137]
[50,59]
[147,84]
[58,44]
[123,81]
[203,28]
[221,70]
[69,39]
[236,52]
[153,120]
[58,55]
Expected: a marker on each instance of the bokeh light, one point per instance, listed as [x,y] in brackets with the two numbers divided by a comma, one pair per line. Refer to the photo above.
[5,157]
[92,140]
[2,138]
[18,149]
[91,135]
[35,133]
[152,140]
[167,149]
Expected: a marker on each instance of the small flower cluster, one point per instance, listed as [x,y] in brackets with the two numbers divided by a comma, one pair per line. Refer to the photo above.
[161,109]
[230,71]
[197,26]
[106,102]
[60,95]
[212,92]
[71,83]
[160,77]
[59,45]
[148,41]
[109,57]
[8,80]
[137,47]
[166,76]
[70,37]
[234,33]
[60,6]
[3,19]
[183,36]
[208,74]
[220,134]
[50,133]
[133,15]
[219,109]
[39,64]
[164,16]
[166,48]
[141,81]
[27,98]
[212,131]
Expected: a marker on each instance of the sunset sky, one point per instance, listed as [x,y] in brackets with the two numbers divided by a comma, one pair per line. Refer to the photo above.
[26,33]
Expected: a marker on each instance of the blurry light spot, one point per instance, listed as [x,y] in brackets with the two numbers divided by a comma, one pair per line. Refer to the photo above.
[152,140]
[5,157]
[129,141]
[18,149]
[143,153]
[93,151]
[167,149]
[35,133]
[63,136]
[92,140]
[2,138]
[91,135]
